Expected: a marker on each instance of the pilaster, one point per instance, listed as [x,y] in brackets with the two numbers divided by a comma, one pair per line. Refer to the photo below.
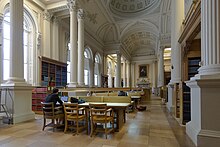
[55,39]
[47,34]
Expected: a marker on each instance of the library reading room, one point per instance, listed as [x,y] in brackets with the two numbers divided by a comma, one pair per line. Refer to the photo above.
[109,73]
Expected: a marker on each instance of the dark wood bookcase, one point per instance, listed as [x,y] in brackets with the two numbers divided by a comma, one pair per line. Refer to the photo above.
[53,73]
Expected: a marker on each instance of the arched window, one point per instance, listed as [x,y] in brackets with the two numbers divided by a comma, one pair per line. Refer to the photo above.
[27,46]
[97,70]
[87,55]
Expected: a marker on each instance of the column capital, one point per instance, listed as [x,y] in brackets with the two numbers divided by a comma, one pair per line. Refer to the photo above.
[56,20]
[39,37]
[81,14]
[72,5]
[47,15]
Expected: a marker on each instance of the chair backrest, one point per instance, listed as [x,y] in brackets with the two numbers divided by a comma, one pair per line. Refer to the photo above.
[98,109]
[48,109]
[71,109]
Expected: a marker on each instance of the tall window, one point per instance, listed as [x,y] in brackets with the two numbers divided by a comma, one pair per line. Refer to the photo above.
[26,46]
[86,77]
[86,68]
[97,78]
[96,70]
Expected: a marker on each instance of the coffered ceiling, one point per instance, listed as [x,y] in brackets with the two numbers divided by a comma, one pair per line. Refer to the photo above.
[138,27]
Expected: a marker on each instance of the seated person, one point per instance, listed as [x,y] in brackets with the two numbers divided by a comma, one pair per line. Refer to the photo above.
[53,97]
[122,93]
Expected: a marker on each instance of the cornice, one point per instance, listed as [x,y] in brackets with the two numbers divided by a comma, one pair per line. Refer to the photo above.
[190,22]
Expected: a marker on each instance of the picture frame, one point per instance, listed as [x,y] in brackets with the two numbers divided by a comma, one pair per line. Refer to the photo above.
[143,71]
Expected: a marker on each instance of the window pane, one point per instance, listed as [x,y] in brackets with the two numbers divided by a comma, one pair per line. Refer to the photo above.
[96,59]
[85,54]
[25,38]
[86,77]
[6,30]
[96,79]
[68,72]
[6,67]
[68,77]
[6,50]
[7,17]
[25,54]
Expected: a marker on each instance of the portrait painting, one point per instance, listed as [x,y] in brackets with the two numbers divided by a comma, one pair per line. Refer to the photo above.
[143,71]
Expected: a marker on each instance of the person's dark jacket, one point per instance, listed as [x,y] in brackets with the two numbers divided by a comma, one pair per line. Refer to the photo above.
[53,98]
[122,93]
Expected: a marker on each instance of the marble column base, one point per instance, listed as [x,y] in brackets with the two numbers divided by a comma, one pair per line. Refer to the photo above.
[204,128]
[19,102]
[72,84]
[170,104]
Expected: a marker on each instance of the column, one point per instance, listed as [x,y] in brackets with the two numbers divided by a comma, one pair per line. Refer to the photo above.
[161,68]
[46,34]
[73,43]
[18,92]
[118,70]
[1,49]
[55,37]
[16,42]
[81,47]
[128,74]
[177,15]
[124,74]
[204,128]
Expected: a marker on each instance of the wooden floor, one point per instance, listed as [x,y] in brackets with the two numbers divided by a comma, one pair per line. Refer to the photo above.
[151,128]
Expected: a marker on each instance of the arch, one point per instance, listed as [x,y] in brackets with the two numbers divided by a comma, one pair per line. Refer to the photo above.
[89,52]
[98,56]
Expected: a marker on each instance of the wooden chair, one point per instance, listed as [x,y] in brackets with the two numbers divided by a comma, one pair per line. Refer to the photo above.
[73,116]
[100,114]
[55,114]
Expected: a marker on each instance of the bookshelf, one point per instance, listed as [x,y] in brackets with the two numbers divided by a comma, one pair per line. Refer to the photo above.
[38,95]
[53,73]
[177,100]
[104,81]
[193,66]
[186,104]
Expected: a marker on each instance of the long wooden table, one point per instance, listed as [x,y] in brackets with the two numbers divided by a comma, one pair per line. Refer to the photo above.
[119,110]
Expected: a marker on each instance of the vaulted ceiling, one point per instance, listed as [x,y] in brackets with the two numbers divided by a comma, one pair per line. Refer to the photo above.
[138,27]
